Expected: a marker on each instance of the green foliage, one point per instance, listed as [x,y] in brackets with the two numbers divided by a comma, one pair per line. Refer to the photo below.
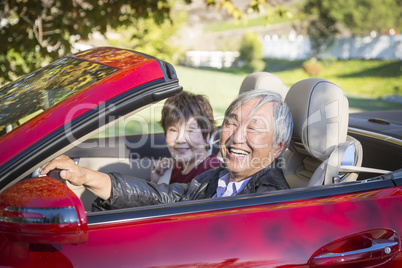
[278,16]
[321,27]
[151,38]
[251,51]
[37,32]
[34,33]
[256,65]
[326,18]
[364,16]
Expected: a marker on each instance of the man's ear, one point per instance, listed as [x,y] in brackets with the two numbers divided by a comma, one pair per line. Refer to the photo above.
[278,148]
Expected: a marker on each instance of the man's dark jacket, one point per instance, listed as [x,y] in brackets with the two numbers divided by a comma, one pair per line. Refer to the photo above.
[127,192]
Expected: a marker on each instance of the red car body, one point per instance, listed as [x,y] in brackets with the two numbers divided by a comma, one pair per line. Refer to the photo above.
[44,224]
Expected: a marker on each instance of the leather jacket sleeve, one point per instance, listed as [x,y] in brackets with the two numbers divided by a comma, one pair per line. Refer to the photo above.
[127,192]
[131,192]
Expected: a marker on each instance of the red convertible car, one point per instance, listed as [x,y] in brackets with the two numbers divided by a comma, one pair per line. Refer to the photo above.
[335,215]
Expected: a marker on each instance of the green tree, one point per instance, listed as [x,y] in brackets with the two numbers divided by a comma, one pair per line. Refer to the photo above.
[153,38]
[321,27]
[364,16]
[35,32]
[251,51]
[327,17]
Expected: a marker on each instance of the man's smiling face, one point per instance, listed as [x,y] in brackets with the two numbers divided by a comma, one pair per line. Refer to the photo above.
[246,142]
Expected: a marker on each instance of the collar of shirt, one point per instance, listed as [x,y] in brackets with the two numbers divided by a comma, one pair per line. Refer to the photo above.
[226,188]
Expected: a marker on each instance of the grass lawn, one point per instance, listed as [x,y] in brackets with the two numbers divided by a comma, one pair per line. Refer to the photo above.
[221,88]
[365,83]
[368,78]
[222,26]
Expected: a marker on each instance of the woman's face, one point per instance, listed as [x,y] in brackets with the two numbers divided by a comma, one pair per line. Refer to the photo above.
[185,141]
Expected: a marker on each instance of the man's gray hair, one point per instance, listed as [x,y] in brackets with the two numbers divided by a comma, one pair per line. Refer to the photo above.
[283,125]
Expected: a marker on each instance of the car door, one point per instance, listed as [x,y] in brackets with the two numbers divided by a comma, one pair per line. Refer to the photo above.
[356,224]
[347,225]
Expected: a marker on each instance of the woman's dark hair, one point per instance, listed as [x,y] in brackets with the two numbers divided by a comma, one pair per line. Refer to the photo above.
[184,105]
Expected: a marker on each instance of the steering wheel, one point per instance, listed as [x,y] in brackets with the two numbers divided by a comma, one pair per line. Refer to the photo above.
[55,174]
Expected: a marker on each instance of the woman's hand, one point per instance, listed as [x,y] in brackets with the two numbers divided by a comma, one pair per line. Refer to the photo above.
[159,168]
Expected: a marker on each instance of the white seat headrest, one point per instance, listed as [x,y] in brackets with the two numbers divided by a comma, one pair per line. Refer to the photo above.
[263,80]
[320,114]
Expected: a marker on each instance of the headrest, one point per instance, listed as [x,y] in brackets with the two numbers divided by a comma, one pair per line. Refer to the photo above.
[263,80]
[320,114]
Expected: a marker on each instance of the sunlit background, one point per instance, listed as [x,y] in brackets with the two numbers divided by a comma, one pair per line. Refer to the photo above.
[215,44]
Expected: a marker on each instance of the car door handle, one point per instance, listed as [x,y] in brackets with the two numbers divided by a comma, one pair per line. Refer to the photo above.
[379,249]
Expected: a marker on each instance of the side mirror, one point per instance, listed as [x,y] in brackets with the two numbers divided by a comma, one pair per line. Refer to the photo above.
[42,211]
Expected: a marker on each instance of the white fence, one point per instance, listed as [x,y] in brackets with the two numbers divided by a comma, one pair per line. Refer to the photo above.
[217,59]
[298,47]
[291,48]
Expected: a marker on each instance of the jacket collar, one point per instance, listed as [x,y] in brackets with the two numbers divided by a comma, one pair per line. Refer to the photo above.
[268,176]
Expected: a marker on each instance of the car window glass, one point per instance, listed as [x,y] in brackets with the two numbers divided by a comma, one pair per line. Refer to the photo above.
[143,122]
[26,97]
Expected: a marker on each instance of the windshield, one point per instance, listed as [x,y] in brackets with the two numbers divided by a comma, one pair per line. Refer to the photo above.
[32,94]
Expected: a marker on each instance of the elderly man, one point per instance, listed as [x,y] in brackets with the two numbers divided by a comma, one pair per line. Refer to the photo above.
[256,129]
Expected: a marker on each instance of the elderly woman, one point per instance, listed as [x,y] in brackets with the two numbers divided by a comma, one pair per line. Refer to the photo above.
[257,128]
[188,123]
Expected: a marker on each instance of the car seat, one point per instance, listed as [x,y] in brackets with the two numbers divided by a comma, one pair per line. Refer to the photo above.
[263,80]
[320,144]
